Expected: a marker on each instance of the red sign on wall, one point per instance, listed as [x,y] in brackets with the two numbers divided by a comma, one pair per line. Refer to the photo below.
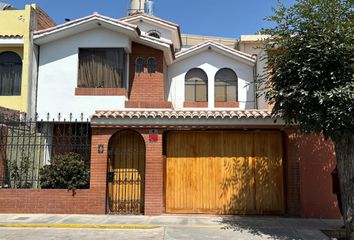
[153,136]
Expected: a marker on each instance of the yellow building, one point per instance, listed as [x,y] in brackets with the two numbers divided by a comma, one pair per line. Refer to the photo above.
[18,55]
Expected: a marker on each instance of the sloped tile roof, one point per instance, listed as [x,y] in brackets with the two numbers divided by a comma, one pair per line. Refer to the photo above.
[84,19]
[10,36]
[170,114]
[209,43]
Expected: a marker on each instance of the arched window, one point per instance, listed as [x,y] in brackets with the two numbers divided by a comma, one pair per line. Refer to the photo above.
[151,65]
[154,33]
[226,86]
[10,74]
[196,86]
[139,65]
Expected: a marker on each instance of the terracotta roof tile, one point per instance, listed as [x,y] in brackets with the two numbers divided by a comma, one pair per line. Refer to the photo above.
[10,36]
[170,114]
[148,16]
[76,21]
[216,44]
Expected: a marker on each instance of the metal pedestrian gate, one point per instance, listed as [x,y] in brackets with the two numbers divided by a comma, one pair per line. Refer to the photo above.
[126,173]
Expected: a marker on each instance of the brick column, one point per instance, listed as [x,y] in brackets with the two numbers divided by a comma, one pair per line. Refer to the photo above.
[98,174]
[292,171]
[153,175]
[3,134]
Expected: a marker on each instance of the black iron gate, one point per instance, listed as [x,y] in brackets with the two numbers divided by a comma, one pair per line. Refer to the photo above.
[126,173]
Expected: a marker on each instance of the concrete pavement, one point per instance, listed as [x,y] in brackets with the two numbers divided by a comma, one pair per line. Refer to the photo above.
[92,227]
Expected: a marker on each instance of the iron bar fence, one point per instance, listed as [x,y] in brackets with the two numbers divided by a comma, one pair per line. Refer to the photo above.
[28,144]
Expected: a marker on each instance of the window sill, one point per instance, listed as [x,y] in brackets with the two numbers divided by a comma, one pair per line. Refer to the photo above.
[137,104]
[100,92]
[195,104]
[227,105]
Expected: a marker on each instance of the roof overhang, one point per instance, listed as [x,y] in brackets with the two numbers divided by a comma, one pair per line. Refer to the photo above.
[11,40]
[97,20]
[166,47]
[158,22]
[219,48]
[168,118]
[84,24]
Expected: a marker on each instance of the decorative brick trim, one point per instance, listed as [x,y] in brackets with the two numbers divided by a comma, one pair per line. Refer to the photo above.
[227,104]
[100,92]
[195,104]
[146,87]
[136,104]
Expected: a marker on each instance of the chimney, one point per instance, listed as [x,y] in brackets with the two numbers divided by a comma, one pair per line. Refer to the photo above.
[149,7]
[136,6]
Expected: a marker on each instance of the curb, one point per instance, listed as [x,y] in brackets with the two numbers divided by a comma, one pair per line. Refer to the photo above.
[74,226]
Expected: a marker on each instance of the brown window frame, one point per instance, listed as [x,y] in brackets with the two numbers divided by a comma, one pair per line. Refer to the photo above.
[220,83]
[195,81]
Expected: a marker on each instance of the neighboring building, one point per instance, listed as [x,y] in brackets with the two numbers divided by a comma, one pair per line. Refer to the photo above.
[176,126]
[18,55]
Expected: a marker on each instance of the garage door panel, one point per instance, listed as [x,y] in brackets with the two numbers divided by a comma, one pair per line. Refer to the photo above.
[269,174]
[216,172]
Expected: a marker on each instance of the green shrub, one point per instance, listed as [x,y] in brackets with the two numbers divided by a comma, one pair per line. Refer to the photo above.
[66,171]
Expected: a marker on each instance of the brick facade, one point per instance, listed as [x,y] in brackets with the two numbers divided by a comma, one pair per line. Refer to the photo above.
[90,201]
[195,104]
[308,162]
[43,19]
[227,104]
[100,92]
[133,104]
[292,175]
[146,89]
[310,159]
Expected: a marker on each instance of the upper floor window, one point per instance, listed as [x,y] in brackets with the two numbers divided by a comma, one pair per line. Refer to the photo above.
[196,86]
[139,65]
[151,65]
[226,86]
[154,33]
[10,74]
[101,67]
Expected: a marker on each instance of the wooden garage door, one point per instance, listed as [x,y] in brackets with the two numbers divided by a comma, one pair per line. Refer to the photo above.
[224,172]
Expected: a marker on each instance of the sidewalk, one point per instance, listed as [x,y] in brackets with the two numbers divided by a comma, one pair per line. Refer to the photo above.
[161,227]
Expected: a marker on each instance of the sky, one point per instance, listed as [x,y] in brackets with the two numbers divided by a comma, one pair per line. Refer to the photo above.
[223,18]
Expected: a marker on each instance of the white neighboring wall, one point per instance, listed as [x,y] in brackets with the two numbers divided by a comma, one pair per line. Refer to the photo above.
[211,62]
[261,72]
[58,72]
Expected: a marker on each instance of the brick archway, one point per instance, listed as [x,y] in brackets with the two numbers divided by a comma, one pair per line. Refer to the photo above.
[126,173]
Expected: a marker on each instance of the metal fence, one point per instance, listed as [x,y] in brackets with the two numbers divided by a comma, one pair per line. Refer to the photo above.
[26,145]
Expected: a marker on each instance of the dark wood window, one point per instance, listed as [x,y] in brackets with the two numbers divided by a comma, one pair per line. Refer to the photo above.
[139,65]
[196,86]
[151,65]
[10,74]
[101,67]
[226,86]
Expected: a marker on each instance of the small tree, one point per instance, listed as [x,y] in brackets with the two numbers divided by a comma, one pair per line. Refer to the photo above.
[310,56]
[66,171]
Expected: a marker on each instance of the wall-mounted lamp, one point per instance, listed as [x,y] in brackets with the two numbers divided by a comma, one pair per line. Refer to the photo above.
[100,148]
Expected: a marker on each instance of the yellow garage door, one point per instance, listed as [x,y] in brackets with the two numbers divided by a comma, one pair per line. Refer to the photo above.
[224,172]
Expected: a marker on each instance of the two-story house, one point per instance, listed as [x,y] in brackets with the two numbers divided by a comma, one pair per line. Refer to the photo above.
[176,123]
[17,54]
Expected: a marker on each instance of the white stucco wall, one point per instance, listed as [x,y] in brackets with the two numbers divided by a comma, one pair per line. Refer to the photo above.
[211,62]
[58,72]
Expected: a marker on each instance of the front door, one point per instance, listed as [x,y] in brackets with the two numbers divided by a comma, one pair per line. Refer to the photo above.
[126,173]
